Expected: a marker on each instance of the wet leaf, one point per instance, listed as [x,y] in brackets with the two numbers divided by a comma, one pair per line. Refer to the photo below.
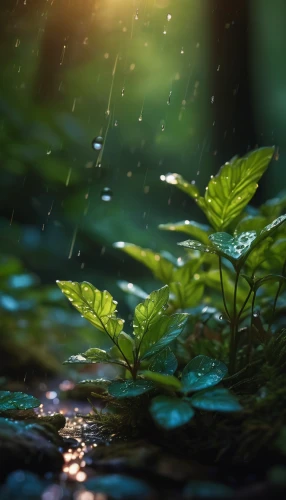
[97,355]
[148,312]
[202,372]
[164,362]
[96,306]
[118,486]
[233,247]
[163,380]
[187,287]
[17,401]
[233,187]
[196,245]
[129,388]
[192,228]
[215,400]
[161,267]
[178,181]
[170,413]
[162,334]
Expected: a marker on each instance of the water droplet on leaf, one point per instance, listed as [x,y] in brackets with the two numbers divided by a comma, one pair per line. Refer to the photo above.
[97,143]
[106,194]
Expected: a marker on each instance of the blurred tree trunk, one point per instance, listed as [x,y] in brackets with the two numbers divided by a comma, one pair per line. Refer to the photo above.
[233,130]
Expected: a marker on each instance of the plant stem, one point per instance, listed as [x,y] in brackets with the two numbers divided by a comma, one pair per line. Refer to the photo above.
[222,288]
[233,328]
[250,330]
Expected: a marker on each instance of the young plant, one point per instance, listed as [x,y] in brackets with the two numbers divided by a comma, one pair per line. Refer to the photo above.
[146,356]
[251,255]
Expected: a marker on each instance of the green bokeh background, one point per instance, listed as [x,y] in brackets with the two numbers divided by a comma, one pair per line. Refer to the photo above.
[63,71]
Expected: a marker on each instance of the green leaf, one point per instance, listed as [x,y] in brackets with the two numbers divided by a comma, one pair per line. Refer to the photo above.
[233,247]
[132,289]
[250,223]
[196,245]
[270,277]
[161,267]
[100,383]
[129,388]
[78,359]
[164,362]
[17,401]
[192,228]
[202,372]
[148,312]
[162,334]
[170,413]
[168,381]
[119,486]
[97,355]
[178,181]
[274,207]
[96,306]
[232,188]
[215,400]
[187,287]
[207,490]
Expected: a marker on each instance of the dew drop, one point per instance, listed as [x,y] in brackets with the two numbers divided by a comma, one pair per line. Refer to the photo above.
[97,143]
[106,194]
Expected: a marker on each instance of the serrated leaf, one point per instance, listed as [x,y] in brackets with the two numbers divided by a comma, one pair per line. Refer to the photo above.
[119,486]
[192,228]
[161,267]
[178,181]
[202,372]
[162,334]
[163,380]
[148,312]
[170,413]
[215,400]
[164,362]
[129,388]
[17,401]
[233,187]
[96,306]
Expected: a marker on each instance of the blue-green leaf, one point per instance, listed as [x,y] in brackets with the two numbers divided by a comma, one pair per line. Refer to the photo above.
[17,401]
[170,413]
[129,388]
[202,372]
[207,490]
[164,362]
[119,486]
[215,400]
[96,306]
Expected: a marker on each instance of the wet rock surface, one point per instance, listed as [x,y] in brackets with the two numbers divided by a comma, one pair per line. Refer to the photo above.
[28,446]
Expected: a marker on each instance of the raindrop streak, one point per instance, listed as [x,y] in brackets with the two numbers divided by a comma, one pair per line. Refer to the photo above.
[97,143]
[112,83]
[63,55]
[169,98]
[73,242]
[106,194]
